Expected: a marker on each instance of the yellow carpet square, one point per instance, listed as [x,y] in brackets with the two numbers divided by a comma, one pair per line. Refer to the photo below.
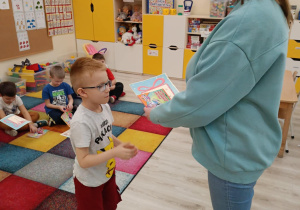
[35,94]
[3,175]
[124,120]
[43,144]
[144,141]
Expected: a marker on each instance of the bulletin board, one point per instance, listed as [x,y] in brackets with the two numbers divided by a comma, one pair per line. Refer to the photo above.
[38,38]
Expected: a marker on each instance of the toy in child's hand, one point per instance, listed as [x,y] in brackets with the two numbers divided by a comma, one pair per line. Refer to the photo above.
[137,14]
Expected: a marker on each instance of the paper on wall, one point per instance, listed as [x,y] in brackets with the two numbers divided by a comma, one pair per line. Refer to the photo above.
[20,21]
[30,20]
[23,41]
[4,4]
[17,5]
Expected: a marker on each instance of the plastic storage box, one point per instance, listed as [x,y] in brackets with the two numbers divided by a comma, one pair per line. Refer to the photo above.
[20,84]
[35,81]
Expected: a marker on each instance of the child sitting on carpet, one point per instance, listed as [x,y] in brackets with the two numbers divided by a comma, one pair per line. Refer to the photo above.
[57,95]
[92,140]
[10,103]
[116,90]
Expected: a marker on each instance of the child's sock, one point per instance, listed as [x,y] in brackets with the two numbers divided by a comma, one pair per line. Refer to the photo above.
[11,132]
[122,94]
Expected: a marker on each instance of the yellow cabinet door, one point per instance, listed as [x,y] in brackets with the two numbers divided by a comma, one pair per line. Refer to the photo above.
[152,60]
[83,19]
[188,54]
[103,18]
[153,27]
[293,49]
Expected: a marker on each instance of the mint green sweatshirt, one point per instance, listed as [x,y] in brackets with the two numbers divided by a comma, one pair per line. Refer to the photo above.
[232,95]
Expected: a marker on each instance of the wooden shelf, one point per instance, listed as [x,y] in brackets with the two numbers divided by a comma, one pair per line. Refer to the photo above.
[194,33]
[117,21]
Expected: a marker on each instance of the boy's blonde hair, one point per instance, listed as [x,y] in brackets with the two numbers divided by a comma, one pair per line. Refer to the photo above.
[82,68]
[57,71]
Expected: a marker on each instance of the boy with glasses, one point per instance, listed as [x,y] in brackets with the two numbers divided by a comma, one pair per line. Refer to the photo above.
[92,140]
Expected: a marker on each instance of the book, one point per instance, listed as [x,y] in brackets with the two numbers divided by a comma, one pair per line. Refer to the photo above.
[66,133]
[67,117]
[154,98]
[38,134]
[159,88]
[156,6]
[14,121]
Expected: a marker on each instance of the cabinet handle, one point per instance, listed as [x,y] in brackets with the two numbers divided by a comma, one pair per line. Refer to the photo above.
[173,47]
[92,7]
[152,46]
[194,50]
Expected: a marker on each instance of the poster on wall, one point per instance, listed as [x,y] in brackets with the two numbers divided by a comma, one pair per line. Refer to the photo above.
[59,17]
[156,6]
[4,4]
[17,5]
[20,21]
[28,5]
[23,41]
[30,20]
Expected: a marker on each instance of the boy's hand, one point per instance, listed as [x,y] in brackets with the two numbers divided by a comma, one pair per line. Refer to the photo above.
[62,108]
[32,128]
[125,151]
[147,112]
[69,107]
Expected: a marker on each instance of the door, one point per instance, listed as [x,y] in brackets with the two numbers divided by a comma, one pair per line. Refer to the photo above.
[83,19]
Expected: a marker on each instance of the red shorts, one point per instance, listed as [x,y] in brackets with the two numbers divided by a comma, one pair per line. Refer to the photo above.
[103,197]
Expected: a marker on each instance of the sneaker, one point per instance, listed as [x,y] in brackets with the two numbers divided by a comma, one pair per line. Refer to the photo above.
[50,122]
[122,94]
[41,123]
[112,99]
[11,132]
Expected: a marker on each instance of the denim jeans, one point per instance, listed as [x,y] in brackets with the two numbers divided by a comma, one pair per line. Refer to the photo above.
[227,195]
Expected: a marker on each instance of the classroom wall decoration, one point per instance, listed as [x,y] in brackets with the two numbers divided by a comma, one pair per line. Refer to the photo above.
[59,17]
[156,6]
[23,22]
[4,4]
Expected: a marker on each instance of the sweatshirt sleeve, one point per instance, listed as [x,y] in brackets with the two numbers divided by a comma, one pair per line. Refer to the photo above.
[221,77]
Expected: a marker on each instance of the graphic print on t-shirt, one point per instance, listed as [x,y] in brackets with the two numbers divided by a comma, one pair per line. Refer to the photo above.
[59,97]
[10,111]
[111,163]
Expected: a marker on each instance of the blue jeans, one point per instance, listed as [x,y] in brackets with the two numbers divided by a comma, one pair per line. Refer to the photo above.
[227,195]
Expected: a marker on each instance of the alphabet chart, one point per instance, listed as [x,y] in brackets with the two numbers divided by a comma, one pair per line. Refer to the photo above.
[59,17]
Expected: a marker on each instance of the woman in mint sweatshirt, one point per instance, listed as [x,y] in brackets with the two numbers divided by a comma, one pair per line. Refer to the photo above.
[232,99]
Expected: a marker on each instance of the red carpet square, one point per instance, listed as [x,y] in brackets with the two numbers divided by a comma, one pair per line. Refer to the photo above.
[59,200]
[20,193]
[143,124]
[133,165]
[7,138]
[39,108]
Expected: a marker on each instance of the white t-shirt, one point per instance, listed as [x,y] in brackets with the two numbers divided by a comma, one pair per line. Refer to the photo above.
[12,108]
[93,130]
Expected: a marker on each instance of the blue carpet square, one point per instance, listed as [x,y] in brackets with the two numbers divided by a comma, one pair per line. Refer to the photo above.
[68,186]
[48,169]
[13,158]
[116,130]
[129,107]
[30,102]
[63,149]
[123,180]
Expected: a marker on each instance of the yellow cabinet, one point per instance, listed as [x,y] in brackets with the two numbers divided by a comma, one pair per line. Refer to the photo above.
[94,20]
[83,19]
[153,27]
[293,49]
[188,54]
[152,60]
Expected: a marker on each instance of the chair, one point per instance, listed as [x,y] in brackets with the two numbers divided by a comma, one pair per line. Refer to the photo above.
[90,50]
[297,87]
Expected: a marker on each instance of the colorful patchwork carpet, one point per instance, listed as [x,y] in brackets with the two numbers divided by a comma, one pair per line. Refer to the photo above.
[37,173]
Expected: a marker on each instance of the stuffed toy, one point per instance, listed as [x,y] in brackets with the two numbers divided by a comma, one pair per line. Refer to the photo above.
[125,15]
[121,31]
[127,38]
[137,14]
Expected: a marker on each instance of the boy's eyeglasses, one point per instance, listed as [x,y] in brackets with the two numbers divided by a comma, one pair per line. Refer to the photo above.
[101,88]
